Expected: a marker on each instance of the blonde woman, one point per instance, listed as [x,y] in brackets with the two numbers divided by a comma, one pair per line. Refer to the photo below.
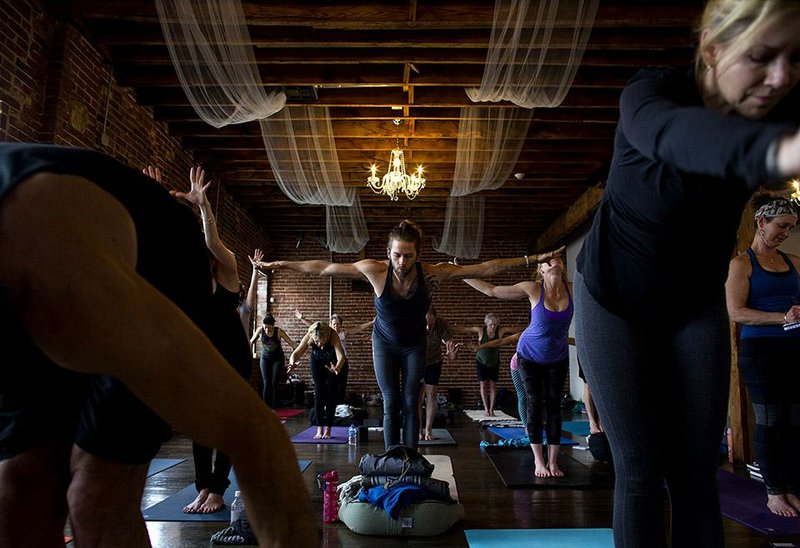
[542,355]
[651,326]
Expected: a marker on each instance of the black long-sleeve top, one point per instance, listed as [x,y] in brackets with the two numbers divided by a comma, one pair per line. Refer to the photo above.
[680,177]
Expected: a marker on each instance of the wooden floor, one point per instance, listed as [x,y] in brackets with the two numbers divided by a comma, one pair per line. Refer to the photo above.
[488,503]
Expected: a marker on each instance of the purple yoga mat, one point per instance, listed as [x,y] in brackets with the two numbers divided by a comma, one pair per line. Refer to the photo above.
[745,500]
[338,435]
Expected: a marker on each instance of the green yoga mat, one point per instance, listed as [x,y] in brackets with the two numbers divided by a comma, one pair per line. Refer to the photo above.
[541,538]
[171,508]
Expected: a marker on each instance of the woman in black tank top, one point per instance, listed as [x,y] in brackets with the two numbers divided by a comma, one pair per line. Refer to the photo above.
[272,357]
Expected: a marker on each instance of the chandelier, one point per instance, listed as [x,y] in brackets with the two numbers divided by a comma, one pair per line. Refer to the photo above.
[396,180]
[795,197]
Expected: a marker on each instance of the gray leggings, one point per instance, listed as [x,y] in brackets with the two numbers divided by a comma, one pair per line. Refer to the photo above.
[661,386]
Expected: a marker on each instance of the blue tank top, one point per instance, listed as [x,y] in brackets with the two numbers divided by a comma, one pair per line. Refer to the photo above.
[545,338]
[771,292]
[402,321]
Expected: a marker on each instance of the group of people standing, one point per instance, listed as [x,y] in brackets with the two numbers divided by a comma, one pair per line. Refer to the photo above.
[650,305]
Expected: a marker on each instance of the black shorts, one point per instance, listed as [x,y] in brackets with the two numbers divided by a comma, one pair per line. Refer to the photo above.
[42,404]
[432,373]
[486,373]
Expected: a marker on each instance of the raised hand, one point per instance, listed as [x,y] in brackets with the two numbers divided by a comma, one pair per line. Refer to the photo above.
[197,192]
[152,172]
[451,350]
[545,257]
[258,255]
[298,314]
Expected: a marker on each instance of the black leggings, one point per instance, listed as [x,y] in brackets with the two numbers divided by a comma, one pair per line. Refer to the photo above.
[270,367]
[326,392]
[661,386]
[544,384]
[769,368]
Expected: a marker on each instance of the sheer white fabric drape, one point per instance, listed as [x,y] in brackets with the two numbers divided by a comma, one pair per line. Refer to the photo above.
[302,154]
[535,49]
[489,142]
[211,51]
[463,227]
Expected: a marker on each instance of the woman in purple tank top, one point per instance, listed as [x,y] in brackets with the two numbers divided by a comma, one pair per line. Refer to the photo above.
[542,354]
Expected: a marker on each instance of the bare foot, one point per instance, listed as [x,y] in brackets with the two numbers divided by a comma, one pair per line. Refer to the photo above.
[486,413]
[325,436]
[318,435]
[541,470]
[429,436]
[778,505]
[214,503]
[195,506]
[794,501]
[421,435]
[491,413]
[555,471]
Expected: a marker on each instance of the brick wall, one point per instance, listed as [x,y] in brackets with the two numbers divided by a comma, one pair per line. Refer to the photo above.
[56,88]
[456,302]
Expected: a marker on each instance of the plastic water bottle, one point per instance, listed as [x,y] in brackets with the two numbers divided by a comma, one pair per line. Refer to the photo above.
[352,435]
[328,482]
[237,507]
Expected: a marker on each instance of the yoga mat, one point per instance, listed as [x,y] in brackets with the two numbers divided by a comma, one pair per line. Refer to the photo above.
[159,465]
[443,470]
[442,437]
[509,433]
[541,538]
[477,415]
[745,501]
[171,508]
[579,428]
[515,467]
[338,435]
[288,413]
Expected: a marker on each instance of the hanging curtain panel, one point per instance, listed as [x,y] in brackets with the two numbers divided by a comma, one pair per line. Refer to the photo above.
[211,51]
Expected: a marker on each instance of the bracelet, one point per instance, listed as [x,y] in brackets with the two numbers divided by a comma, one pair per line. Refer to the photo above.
[785,319]
[527,262]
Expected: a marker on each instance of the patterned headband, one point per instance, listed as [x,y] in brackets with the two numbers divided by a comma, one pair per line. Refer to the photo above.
[776,208]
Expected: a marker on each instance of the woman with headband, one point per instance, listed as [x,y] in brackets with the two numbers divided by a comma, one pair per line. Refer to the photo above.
[763,294]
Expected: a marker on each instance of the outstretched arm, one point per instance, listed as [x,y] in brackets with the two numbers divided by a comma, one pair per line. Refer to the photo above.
[71,221]
[298,352]
[256,334]
[361,328]
[506,292]
[299,316]
[282,334]
[447,271]
[320,268]
[511,339]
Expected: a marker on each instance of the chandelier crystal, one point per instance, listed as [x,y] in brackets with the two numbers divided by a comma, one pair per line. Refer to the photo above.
[795,197]
[396,180]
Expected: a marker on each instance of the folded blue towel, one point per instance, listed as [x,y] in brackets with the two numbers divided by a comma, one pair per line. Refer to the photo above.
[395,498]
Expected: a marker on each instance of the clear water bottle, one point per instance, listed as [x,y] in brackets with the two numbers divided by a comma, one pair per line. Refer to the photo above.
[352,435]
[237,507]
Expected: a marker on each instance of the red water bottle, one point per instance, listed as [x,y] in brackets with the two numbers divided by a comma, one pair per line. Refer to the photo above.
[328,482]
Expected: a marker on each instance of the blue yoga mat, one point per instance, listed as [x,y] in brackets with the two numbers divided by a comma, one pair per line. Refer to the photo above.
[745,500]
[579,428]
[541,538]
[171,508]
[510,433]
[159,465]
